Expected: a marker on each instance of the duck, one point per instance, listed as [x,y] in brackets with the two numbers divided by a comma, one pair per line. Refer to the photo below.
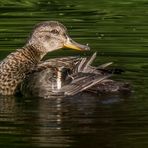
[24,72]
[46,37]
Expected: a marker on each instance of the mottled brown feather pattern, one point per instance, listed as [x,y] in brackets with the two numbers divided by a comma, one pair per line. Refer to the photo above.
[45,37]
[14,68]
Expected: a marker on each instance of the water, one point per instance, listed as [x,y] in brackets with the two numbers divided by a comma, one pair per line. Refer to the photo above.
[118,31]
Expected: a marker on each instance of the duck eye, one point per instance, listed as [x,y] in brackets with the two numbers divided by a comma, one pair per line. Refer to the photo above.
[54,31]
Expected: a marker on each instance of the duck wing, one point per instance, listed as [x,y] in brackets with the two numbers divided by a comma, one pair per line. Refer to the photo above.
[66,76]
[82,82]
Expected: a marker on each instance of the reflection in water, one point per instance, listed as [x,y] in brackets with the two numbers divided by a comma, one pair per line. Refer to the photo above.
[7,104]
[52,122]
[37,121]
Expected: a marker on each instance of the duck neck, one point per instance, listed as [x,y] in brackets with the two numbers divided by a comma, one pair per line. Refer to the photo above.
[32,53]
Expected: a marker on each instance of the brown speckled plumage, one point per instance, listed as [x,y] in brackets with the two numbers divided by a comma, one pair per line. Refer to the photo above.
[14,68]
[23,71]
[46,37]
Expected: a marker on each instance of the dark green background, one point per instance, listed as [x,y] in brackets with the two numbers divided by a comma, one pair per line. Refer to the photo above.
[118,31]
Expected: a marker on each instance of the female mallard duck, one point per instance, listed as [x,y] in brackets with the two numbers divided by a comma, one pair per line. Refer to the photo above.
[46,37]
[23,71]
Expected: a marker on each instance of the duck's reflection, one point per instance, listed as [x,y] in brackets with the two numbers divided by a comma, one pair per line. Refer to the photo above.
[52,122]
[7,104]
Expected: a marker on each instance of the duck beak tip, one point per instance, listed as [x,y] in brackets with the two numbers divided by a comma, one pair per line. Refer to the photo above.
[74,45]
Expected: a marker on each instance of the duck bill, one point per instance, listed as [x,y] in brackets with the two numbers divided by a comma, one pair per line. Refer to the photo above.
[74,45]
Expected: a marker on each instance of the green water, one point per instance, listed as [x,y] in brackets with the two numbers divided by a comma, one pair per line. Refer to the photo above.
[118,31]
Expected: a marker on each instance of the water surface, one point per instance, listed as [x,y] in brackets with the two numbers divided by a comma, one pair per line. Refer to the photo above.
[118,31]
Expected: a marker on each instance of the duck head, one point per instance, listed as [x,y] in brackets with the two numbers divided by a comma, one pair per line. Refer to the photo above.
[52,35]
